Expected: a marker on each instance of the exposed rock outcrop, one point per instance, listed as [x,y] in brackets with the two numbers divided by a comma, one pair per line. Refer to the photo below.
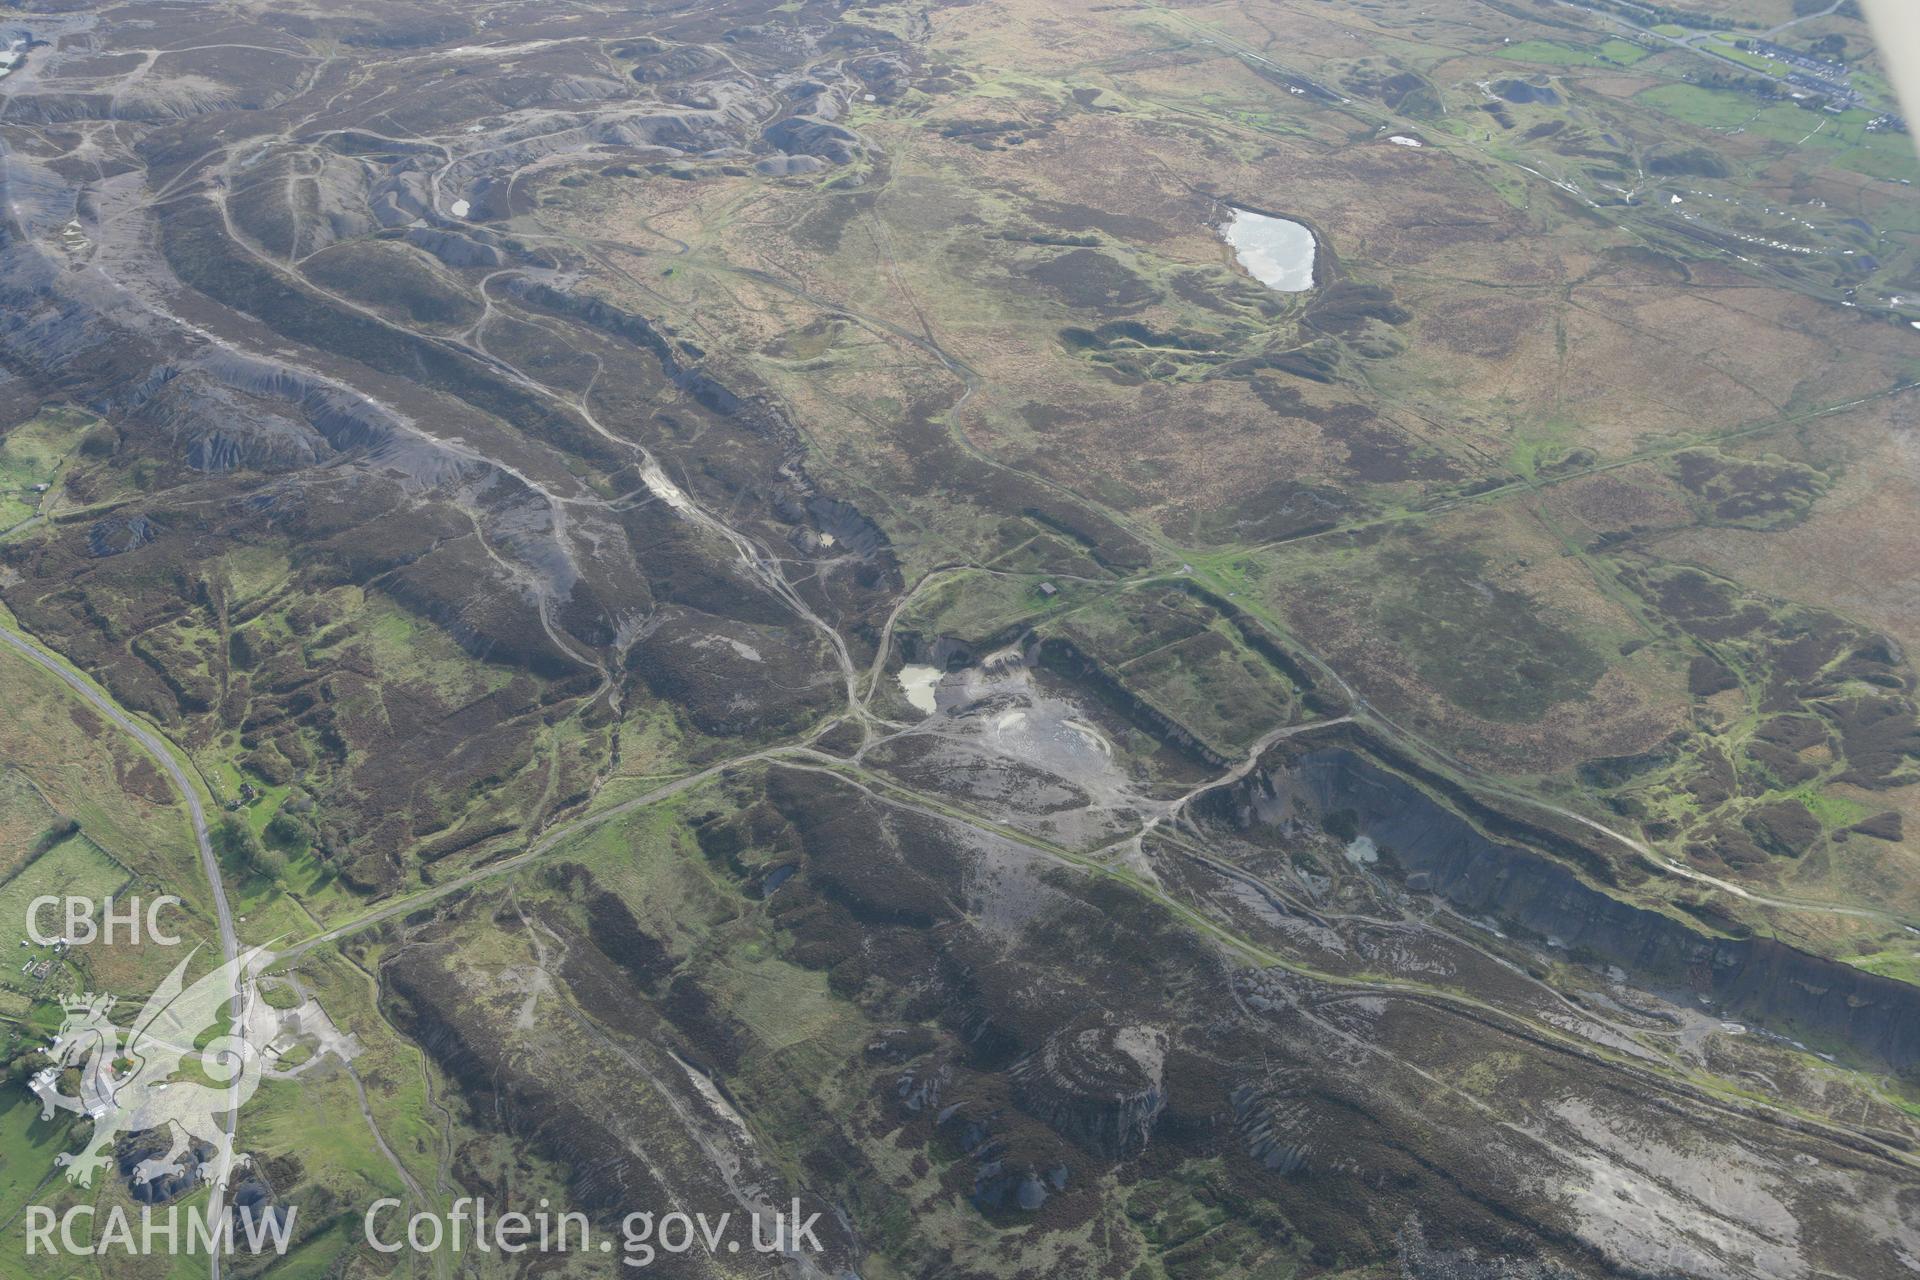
[1764,980]
[1100,1084]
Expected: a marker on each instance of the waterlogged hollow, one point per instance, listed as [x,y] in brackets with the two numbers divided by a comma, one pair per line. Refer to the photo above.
[1276,252]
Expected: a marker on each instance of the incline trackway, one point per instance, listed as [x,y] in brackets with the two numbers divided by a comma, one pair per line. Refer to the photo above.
[540,847]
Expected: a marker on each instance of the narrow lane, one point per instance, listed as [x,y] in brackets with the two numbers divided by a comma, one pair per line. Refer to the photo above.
[209,865]
[229,942]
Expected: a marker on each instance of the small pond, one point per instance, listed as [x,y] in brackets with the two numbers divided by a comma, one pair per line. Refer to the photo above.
[1276,252]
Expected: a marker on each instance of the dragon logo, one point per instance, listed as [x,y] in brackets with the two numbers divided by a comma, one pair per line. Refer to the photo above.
[159,1072]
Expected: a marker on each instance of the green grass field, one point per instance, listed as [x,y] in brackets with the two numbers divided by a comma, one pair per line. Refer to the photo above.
[1723,45]
[33,454]
[28,1145]
[87,770]
[1899,962]
[25,818]
[74,867]
[1708,108]
[1842,139]
[1610,53]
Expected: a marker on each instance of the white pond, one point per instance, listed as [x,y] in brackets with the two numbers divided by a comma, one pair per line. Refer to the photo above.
[1276,252]
[918,682]
[460,208]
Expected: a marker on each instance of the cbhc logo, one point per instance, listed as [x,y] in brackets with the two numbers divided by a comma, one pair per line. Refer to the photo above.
[81,928]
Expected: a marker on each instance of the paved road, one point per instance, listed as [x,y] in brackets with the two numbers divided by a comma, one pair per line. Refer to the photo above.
[229,941]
